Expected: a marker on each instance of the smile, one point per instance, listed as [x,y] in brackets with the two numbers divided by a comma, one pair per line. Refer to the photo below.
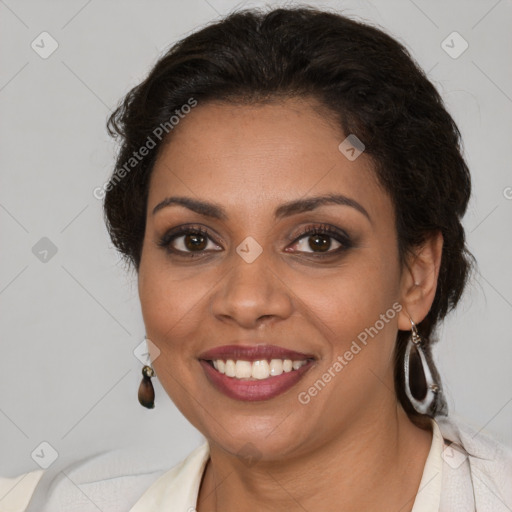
[254,373]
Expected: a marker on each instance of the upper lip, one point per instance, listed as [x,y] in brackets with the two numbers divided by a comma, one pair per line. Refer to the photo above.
[253,353]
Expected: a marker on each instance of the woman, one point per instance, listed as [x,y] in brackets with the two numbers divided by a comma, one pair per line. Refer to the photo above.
[290,190]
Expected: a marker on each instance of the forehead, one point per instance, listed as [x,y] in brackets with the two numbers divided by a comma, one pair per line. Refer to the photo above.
[256,156]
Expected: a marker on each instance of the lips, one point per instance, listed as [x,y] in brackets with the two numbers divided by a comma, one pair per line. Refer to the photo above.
[251,389]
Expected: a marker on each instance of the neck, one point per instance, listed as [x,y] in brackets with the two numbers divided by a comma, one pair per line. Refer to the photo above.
[374,463]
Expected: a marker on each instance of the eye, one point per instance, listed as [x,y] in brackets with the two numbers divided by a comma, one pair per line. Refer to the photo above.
[322,240]
[188,240]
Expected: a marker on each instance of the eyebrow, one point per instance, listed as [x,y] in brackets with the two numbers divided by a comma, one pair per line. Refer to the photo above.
[308,204]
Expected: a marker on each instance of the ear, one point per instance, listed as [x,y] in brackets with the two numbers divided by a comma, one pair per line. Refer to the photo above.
[419,281]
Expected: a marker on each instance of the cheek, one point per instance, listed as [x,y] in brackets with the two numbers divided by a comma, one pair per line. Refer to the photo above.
[356,311]
[170,319]
[353,297]
[168,305]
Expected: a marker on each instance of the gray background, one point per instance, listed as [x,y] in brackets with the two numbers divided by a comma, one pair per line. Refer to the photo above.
[68,375]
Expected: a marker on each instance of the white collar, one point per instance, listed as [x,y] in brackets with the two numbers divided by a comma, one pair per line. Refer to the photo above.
[178,488]
[428,496]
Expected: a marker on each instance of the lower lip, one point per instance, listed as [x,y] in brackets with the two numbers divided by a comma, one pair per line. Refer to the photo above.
[253,390]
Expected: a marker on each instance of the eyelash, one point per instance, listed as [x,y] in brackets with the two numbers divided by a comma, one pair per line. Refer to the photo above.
[320,229]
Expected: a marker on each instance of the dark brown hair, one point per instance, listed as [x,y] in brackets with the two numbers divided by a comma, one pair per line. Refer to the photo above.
[364,77]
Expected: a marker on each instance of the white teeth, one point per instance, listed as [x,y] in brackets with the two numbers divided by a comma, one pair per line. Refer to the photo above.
[287,365]
[243,369]
[276,367]
[259,370]
[230,368]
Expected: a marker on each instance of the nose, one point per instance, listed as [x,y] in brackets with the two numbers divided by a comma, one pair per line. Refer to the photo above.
[251,294]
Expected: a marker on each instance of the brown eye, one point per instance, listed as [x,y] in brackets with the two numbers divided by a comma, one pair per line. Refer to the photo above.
[322,240]
[321,243]
[317,243]
[195,241]
[185,241]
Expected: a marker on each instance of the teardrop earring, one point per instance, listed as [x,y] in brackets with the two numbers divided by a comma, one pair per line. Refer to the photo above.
[420,387]
[146,390]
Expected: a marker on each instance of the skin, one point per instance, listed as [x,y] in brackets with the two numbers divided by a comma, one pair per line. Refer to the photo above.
[352,447]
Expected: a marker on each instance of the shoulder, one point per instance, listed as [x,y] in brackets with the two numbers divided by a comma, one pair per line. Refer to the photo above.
[16,492]
[176,489]
[488,469]
[110,481]
[476,442]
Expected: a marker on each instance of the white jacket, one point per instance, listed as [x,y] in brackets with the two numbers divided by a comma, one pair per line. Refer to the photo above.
[465,471]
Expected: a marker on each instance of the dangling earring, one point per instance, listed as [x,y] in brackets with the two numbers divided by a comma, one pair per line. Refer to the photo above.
[146,390]
[420,387]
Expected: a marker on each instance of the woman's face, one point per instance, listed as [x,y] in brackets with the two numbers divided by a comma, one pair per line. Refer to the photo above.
[251,278]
